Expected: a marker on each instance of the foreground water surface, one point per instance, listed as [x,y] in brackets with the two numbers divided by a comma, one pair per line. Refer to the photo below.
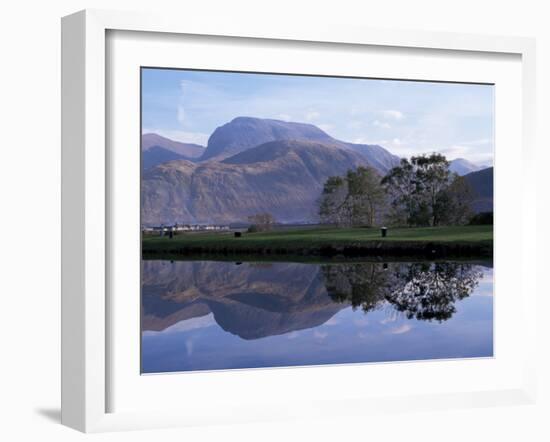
[208,315]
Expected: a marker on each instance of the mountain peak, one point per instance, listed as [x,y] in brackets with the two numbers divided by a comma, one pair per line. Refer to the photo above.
[243,133]
[154,140]
[462,166]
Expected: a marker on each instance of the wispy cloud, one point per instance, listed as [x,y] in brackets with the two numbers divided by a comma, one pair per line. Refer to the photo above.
[320,334]
[180,135]
[408,118]
[393,114]
[405,328]
[381,124]
[312,115]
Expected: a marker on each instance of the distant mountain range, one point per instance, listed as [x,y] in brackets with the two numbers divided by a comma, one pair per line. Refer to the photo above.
[481,182]
[284,178]
[250,165]
[462,167]
[158,150]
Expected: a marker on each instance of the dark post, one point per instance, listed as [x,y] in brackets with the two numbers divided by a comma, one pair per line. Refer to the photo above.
[384,231]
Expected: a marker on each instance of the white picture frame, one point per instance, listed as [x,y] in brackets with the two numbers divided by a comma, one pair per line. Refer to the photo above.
[86,212]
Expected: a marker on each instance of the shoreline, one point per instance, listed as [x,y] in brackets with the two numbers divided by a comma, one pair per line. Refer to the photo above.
[438,243]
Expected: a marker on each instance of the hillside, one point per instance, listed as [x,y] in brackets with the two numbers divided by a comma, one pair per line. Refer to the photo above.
[462,167]
[187,150]
[284,178]
[244,133]
[156,155]
[482,184]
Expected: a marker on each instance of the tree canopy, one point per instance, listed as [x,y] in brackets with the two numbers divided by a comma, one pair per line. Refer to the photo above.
[357,198]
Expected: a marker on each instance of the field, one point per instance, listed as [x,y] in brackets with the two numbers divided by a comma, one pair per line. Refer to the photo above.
[431,241]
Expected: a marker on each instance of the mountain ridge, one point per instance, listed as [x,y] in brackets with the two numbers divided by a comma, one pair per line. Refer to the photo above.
[286,185]
[188,150]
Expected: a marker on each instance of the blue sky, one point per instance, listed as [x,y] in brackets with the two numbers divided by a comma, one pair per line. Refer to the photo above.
[406,117]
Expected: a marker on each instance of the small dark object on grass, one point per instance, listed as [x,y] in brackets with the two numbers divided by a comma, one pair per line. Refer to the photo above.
[238,234]
[384,231]
[171,234]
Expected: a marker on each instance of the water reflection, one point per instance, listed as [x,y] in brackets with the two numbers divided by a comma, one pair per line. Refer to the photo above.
[224,313]
[424,291]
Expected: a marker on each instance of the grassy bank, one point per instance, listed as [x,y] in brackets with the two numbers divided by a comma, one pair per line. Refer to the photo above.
[428,241]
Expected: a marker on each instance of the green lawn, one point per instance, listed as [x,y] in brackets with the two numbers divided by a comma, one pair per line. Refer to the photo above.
[320,237]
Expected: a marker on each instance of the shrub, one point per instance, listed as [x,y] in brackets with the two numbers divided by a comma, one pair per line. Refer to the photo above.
[482,218]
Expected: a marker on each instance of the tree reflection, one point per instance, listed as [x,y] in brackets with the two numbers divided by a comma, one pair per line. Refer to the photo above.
[424,291]
[361,284]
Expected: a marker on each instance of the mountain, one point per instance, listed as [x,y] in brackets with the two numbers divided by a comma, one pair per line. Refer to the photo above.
[156,155]
[482,184]
[187,150]
[462,167]
[243,133]
[376,155]
[249,300]
[284,178]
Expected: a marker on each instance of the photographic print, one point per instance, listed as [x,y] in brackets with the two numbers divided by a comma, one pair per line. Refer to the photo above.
[302,220]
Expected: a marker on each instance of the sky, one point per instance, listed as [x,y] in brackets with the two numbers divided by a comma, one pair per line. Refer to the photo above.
[406,117]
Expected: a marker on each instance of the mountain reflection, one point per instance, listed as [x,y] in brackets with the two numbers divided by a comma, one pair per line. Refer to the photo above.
[256,300]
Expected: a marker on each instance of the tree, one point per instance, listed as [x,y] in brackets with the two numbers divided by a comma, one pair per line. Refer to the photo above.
[332,201]
[355,199]
[261,222]
[454,203]
[366,195]
[423,192]
[401,185]
[432,175]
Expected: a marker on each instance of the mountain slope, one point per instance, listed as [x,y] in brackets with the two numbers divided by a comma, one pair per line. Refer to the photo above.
[243,133]
[376,155]
[158,155]
[284,178]
[187,150]
[482,183]
[462,167]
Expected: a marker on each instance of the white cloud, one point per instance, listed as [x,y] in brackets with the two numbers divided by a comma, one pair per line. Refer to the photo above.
[393,114]
[361,322]
[355,124]
[325,127]
[180,135]
[400,330]
[312,115]
[469,151]
[319,334]
[381,124]
[332,321]
[187,324]
[181,114]
[189,345]
[284,117]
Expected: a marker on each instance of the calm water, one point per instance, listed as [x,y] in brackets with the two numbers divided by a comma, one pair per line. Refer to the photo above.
[207,315]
